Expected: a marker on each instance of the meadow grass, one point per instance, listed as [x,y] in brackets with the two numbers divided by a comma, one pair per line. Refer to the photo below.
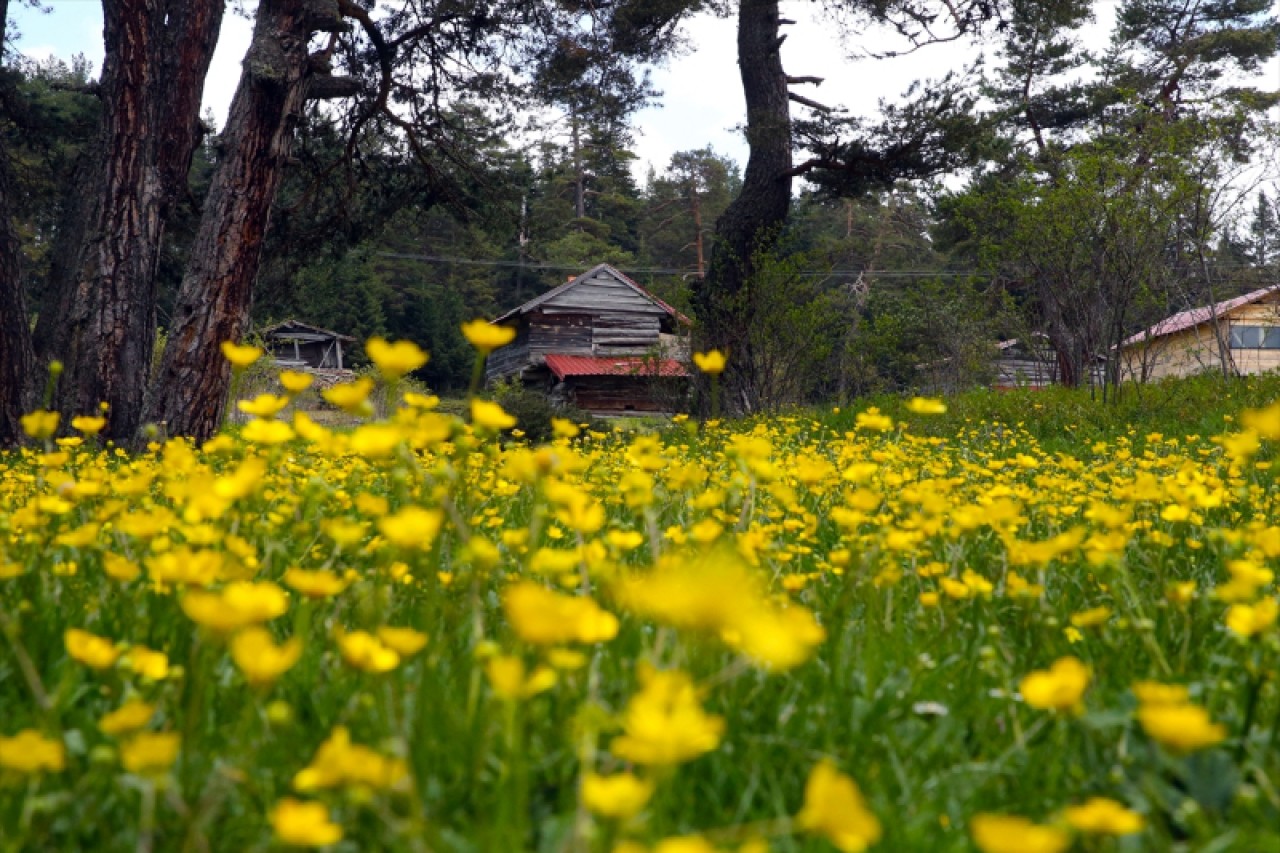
[880,627]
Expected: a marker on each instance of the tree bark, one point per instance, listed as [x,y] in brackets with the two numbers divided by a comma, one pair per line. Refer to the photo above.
[103,324]
[751,222]
[16,357]
[213,303]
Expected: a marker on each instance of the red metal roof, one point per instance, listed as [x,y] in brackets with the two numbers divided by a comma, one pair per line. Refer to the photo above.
[1194,317]
[581,365]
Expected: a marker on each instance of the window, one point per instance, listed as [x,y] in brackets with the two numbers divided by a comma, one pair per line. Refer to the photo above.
[1255,337]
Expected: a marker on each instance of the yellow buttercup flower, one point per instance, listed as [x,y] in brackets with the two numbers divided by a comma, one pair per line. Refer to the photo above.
[267,432]
[89,425]
[511,681]
[712,363]
[351,397]
[405,642]
[487,415]
[130,716]
[150,753]
[340,762]
[412,527]
[304,824]
[617,797]
[240,356]
[263,405]
[545,617]
[486,337]
[260,659]
[835,809]
[295,382]
[31,752]
[664,722]
[40,424]
[394,360]
[1246,620]
[926,406]
[363,650]
[994,833]
[91,650]
[1058,688]
[236,606]
[314,584]
[1181,727]
[1102,816]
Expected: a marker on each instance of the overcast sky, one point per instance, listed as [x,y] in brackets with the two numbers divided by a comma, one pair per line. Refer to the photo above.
[702,96]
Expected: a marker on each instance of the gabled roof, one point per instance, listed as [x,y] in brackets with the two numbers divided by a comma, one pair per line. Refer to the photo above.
[574,282]
[582,365]
[1195,316]
[284,328]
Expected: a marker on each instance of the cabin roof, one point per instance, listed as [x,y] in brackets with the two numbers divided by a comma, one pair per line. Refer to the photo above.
[1195,316]
[580,365]
[574,282]
[283,329]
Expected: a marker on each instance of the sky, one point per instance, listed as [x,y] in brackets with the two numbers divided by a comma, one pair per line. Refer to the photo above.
[702,100]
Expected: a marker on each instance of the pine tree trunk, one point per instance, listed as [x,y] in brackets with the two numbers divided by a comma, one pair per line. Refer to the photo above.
[751,222]
[214,300]
[103,323]
[16,359]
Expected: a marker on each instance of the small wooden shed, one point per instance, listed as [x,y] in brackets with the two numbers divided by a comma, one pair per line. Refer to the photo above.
[599,341]
[296,344]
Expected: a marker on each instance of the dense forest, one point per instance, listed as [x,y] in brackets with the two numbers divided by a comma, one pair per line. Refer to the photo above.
[366,182]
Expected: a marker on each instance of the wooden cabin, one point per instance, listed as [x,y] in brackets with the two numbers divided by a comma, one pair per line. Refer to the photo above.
[295,345]
[1026,363]
[1237,336]
[600,342]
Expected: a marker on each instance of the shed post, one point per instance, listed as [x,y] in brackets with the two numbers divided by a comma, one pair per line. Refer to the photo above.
[338,341]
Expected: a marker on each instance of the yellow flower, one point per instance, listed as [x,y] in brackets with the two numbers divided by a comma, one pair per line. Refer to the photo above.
[1155,693]
[412,527]
[423,402]
[351,397]
[1058,688]
[31,752]
[486,337]
[994,833]
[130,716]
[711,363]
[507,677]
[91,650]
[664,722]
[40,424]
[340,762]
[487,415]
[1102,816]
[295,382]
[835,809]
[240,356]
[267,432]
[263,405]
[237,605]
[1246,620]
[549,618]
[395,359]
[88,424]
[304,824]
[618,797]
[1091,618]
[1181,728]
[926,406]
[147,663]
[314,584]
[405,642]
[362,650]
[872,419]
[260,659]
[150,753]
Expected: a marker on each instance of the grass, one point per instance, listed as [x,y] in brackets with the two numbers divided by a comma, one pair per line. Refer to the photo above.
[836,590]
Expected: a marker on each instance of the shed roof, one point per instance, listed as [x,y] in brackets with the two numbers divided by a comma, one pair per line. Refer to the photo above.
[1195,316]
[283,329]
[574,282]
[581,365]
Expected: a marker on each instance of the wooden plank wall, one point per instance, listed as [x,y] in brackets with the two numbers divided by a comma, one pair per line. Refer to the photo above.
[601,294]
